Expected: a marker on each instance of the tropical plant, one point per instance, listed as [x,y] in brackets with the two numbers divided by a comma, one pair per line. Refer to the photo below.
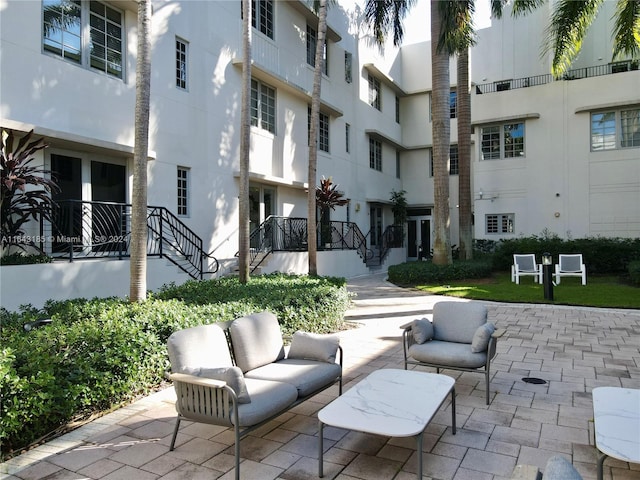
[328,197]
[321,8]
[19,203]
[245,146]
[138,263]
[399,207]
[570,22]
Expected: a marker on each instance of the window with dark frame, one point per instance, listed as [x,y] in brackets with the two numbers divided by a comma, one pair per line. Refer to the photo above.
[181,64]
[502,141]
[374,92]
[312,40]
[323,130]
[348,67]
[263,106]
[375,154]
[183,191]
[499,223]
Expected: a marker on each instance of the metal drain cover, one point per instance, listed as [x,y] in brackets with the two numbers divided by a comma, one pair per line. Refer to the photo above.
[534,380]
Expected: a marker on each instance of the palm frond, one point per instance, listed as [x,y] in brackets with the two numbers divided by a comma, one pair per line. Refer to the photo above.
[523,7]
[626,34]
[457,33]
[387,16]
[569,23]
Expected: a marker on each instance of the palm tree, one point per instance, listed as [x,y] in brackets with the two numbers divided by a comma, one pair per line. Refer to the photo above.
[245,145]
[458,37]
[313,136]
[138,266]
[570,22]
[388,15]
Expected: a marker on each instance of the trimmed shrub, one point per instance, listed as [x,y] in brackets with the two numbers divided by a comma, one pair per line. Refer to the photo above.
[634,272]
[98,354]
[415,273]
[600,255]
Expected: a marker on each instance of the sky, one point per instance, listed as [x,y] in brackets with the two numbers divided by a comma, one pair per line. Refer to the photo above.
[418,26]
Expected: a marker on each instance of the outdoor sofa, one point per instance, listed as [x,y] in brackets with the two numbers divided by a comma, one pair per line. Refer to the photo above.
[239,375]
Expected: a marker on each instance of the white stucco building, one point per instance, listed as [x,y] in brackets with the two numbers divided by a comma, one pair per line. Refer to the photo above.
[561,156]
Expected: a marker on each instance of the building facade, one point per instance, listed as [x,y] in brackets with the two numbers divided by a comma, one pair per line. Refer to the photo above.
[560,156]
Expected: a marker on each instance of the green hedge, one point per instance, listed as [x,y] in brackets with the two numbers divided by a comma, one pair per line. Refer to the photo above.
[98,354]
[415,273]
[634,272]
[600,255]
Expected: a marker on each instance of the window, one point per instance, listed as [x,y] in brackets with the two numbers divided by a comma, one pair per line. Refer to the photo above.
[323,129]
[87,33]
[312,40]
[397,164]
[348,67]
[181,64]
[604,134]
[375,154]
[183,191]
[502,141]
[454,168]
[347,137]
[263,106]
[262,16]
[453,104]
[374,92]
[397,109]
[499,223]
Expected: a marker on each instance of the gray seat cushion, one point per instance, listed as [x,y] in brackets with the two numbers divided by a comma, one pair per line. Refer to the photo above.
[451,354]
[267,399]
[306,376]
[257,340]
[197,348]
[457,321]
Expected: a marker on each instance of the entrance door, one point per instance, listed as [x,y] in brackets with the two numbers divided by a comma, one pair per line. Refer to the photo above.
[262,204]
[375,220]
[419,237]
[109,221]
[67,217]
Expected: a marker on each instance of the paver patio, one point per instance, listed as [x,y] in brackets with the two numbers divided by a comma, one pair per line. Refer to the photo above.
[573,349]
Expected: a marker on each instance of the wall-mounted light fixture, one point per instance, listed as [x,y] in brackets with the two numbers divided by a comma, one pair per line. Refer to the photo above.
[481,196]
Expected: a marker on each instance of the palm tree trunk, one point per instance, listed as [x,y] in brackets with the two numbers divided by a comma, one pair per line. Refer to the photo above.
[313,139]
[441,127]
[245,146]
[464,155]
[138,263]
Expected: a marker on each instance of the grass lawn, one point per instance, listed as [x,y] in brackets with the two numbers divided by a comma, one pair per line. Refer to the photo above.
[605,291]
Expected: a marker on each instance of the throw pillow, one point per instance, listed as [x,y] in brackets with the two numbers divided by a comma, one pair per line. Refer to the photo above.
[232,376]
[422,330]
[313,346]
[481,338]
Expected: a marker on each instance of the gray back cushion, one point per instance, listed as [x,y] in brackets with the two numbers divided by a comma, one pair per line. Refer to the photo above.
[457,321]
[200,347]
[257,340]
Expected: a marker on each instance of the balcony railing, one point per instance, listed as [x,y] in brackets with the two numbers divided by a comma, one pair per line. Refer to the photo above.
[574,74]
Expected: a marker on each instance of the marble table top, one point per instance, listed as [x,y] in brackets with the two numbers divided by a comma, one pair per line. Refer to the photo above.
[389,402]
[616,413]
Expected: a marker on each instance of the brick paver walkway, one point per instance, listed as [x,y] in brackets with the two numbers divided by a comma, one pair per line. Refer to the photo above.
[573,349]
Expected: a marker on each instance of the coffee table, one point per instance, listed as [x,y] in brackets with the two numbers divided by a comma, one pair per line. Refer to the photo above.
[392,403]
[616,418]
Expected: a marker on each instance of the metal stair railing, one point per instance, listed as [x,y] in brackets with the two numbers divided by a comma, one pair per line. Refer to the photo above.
[91,229]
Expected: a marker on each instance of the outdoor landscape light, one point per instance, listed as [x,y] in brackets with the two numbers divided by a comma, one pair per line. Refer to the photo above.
[547,265]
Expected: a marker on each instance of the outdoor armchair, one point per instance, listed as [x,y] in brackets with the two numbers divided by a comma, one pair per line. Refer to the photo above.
[523,265]
[460,338]
[571,265]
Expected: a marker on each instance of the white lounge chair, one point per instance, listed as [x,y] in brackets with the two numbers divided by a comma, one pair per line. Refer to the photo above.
[571,265]
[525,264]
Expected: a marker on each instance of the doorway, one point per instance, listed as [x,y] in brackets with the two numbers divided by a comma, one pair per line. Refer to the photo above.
[419,238]
[262,204]
[375,224]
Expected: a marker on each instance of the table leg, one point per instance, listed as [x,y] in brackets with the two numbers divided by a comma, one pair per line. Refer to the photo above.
[419,451]
[321,448]
[601,466]
[453,410]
